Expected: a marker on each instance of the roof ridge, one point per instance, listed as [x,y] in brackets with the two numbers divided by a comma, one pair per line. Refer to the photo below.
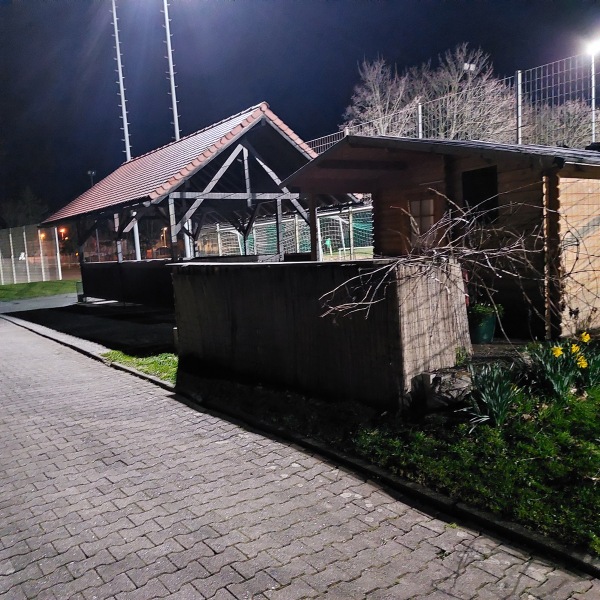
[263,105]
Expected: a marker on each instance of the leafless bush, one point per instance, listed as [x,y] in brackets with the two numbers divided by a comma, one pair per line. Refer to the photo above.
[489,252]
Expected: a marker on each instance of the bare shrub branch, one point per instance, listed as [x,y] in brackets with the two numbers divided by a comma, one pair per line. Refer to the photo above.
[488,251]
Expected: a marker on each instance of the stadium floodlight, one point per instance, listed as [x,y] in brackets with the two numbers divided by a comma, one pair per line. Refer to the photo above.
[593,48]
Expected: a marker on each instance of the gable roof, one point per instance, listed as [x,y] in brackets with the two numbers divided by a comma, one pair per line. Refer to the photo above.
[351,150]
[152,176]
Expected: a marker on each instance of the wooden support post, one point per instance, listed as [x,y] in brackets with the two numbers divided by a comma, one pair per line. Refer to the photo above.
[172,233]
[136,241]
[118,239]
[312,211]
[553,291]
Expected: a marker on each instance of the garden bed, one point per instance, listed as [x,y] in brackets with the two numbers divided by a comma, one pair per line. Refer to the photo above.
[524,446]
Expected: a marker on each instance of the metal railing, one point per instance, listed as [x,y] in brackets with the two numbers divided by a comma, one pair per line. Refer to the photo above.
[341,235]
[553,104]
[29,254]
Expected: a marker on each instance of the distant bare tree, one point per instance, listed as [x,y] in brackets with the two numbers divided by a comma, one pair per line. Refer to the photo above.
[461,99]
[568,124]
[381,102]
[27,209]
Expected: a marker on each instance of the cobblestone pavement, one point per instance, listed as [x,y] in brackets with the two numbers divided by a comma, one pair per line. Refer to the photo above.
[112,489]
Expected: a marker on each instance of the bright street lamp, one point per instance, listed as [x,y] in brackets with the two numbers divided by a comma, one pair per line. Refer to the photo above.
[92,174]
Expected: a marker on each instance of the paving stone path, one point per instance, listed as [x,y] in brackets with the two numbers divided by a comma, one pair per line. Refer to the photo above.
[110,488]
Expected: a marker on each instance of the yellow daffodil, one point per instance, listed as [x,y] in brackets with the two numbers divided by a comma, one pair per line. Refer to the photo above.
[585,337]
[557,350]
[582,363]
[575,349]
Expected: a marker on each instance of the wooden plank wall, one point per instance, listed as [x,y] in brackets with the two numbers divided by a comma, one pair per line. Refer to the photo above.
[580,240]
[265,323]
[391,203]
[431,308]
[520,210]
[520,201]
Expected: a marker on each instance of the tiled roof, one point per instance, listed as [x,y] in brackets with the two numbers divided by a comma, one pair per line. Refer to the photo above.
[157,173]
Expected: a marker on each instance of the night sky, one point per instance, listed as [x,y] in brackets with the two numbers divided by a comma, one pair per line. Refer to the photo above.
[59,113]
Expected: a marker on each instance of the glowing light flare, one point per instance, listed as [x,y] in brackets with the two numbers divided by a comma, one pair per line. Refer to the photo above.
[593,47]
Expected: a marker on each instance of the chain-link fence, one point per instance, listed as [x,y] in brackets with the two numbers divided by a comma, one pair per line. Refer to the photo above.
[342,234]
[554,105]
[29,254]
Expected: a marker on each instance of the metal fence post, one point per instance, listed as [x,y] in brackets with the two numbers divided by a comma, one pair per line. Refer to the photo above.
[58,265]
[26,255]
[351,225]
[219,242]
[1,268]
[319,249]
[519,106]
[593,90]
[41,255]
[12,256]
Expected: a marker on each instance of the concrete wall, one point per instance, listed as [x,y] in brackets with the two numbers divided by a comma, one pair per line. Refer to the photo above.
[265,323]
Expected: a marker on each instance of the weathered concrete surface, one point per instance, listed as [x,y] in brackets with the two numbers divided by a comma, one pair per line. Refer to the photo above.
[131,328]
[42,302]
[109,488]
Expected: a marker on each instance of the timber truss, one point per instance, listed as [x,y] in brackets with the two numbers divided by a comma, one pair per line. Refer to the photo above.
[186,212]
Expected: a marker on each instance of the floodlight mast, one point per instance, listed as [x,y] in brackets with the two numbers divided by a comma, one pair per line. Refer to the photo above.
[171,69]
[136,233]
[121,86]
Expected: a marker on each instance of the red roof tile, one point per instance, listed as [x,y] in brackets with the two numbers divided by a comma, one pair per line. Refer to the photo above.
[157,173]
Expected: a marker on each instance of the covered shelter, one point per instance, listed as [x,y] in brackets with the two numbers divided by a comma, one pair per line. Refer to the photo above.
[549,196]
[231,172]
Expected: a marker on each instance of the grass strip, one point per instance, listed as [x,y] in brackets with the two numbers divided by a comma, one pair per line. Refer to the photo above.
[163,366]
[37,289]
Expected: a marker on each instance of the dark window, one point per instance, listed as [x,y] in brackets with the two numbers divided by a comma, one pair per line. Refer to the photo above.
[480,191]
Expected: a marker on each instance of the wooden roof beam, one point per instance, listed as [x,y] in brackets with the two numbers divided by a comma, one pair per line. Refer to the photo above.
[362,165]
[188,215]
